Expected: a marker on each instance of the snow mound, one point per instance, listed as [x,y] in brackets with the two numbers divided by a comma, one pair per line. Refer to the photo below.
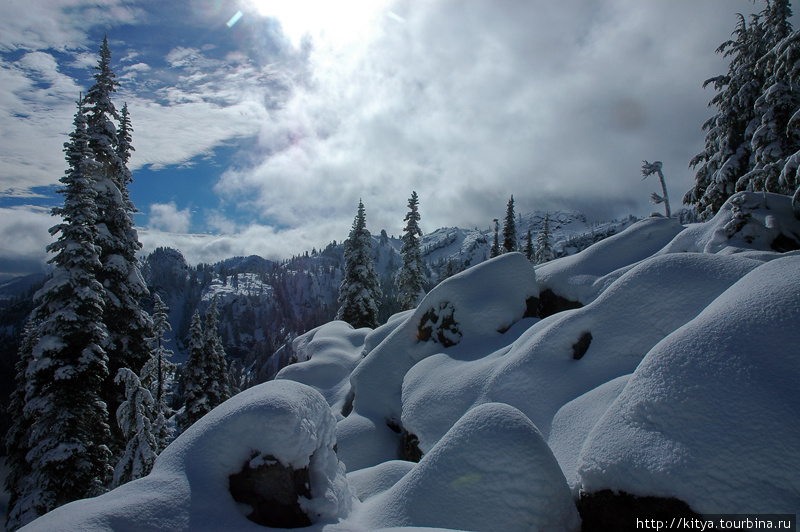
[712,414]
[492,471]
[479,302]
[546,367]
[188,487]
[372,481]
[579,277]
[748,222]
[330,354]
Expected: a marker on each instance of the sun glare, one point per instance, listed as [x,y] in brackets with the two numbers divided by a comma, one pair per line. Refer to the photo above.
[326,20]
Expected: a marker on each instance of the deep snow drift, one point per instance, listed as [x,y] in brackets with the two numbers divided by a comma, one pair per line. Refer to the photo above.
[677,378]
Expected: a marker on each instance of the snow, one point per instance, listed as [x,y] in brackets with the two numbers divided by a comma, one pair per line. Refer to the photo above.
[676,378]
[188,487]
[492,471]
[712,414]
[332,353]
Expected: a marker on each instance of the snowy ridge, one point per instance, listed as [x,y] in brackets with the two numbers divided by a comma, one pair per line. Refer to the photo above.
[676,378]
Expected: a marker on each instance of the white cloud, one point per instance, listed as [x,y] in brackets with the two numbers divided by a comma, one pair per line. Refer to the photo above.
[24,235]
[261,240]
[470,102]
[167,217]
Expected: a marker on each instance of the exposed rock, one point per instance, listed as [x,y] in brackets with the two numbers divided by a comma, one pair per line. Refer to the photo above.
[551,303]
[439,325]
[605,510]
[580,347]
[272,490]
[410,450]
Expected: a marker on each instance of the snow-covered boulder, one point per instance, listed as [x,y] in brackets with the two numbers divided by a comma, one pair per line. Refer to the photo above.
[492,471]
[188,489]
[583,276]
[540,369]
[329,354]
[748,222]
[477,304]
[712,414]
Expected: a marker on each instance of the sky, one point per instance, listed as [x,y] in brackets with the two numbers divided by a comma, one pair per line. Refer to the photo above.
[258,124]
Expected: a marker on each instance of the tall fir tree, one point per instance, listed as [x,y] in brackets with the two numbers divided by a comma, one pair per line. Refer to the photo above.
[528,249]
[135,417]
[216,370]
[510,228]
[158,373]
[726,155]
[193,375]
[20,480]
[411,279]
[128,325]
[753,140]
[67,457]
[360,290]
[544,242]
[494,251]
[206,370]
[775,138]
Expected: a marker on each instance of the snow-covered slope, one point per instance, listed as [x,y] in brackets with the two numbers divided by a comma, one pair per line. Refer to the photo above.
[676,377]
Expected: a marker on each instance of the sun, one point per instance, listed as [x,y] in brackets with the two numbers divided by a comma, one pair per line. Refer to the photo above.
[331,21]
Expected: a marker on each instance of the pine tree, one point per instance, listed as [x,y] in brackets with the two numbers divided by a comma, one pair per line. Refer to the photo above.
[775,139]
[544,242]
[529,250]
[494,251]
[216,367]
[128,325]
[19,480]
[510,228]
[206,370]
[67,457]
[753,141]
[135,417]
[725,158]
[193,375]
[411,279]
[158,373]
[360,289]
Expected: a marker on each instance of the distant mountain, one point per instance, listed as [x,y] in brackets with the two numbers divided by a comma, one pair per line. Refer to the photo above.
[19,286]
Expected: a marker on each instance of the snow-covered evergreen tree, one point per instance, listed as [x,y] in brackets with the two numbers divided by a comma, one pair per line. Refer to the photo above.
[510,228]
[128,325]
[528,249]
[19,479]
[776,138]
[360,290]
[411,279]
[193,375]
[206,371]
[726,155]
[67,457]
[753,141]
[135,417]
[544,242]
[158,372]
[494,251]
[216,364]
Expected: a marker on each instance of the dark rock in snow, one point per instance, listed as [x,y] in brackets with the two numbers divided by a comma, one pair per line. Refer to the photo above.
[272,490]
[550,303]
[580,347]
[605,510]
